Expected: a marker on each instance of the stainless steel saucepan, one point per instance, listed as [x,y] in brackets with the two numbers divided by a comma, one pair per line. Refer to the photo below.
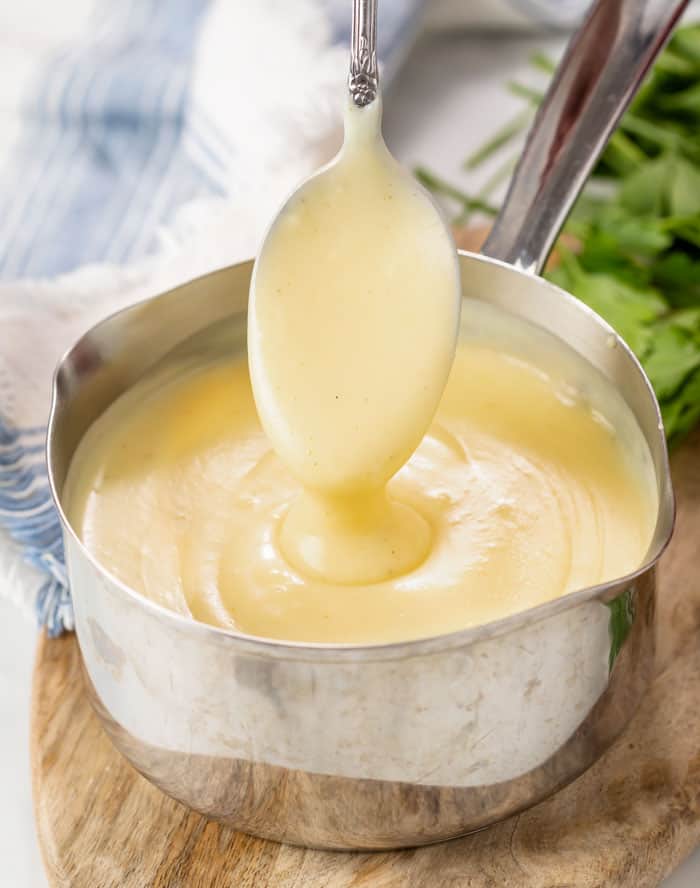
[401,744]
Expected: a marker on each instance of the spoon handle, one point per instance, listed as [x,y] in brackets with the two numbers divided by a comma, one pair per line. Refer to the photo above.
[602,68]
[363,80]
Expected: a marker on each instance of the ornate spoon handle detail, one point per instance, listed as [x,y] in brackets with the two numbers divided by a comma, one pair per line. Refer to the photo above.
[363,80]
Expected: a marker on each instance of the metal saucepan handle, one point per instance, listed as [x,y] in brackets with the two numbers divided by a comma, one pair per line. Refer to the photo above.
[601,70]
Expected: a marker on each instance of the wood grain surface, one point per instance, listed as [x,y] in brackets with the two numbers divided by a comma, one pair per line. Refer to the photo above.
[627,822]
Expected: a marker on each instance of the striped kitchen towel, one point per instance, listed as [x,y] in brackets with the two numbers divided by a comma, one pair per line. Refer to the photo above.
[142,142]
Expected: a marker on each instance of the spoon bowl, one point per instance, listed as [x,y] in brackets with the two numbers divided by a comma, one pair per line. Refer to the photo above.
[354,306]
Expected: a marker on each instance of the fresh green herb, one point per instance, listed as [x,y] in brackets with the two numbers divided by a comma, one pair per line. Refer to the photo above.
[534,96]
[499,139]
[621,620]
[439,186]
[637,255]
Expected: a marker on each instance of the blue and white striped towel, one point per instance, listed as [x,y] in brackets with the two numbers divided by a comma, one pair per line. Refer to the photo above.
[141,142]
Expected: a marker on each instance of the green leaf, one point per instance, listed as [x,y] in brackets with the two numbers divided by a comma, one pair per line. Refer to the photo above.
[603,252]
[629,309]
[588,209]
[534,96]
[501,137]
[674,354]
[677,275]
[543,62]
[622,615]
[646,191]
[622,156]
[638,235]
[686,42]
[672,62]
[686,228]
[684,196]
[668,185]
[688,319]
[682,413]
[439,186]
[559,275]
[658,134]
[642,236]
[687,100]
[498,177]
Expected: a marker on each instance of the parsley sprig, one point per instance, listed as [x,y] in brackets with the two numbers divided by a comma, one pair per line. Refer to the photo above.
[636,241]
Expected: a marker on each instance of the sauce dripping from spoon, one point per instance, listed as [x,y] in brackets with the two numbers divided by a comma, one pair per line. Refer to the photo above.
[352,329]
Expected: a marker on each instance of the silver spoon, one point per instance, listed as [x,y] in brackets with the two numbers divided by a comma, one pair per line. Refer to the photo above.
[359,257]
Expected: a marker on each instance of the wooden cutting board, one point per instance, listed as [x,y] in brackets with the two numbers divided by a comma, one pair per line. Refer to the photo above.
[627,822]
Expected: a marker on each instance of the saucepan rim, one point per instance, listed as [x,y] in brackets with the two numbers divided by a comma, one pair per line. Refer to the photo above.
[396,650]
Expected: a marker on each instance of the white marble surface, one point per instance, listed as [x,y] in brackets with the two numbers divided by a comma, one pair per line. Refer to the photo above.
[445,99]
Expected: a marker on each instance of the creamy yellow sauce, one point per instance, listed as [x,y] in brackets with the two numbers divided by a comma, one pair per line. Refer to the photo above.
[360,514]
[352,327]
[528,490]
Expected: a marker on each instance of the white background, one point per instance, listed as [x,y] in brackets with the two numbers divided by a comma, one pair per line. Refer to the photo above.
[446,98]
